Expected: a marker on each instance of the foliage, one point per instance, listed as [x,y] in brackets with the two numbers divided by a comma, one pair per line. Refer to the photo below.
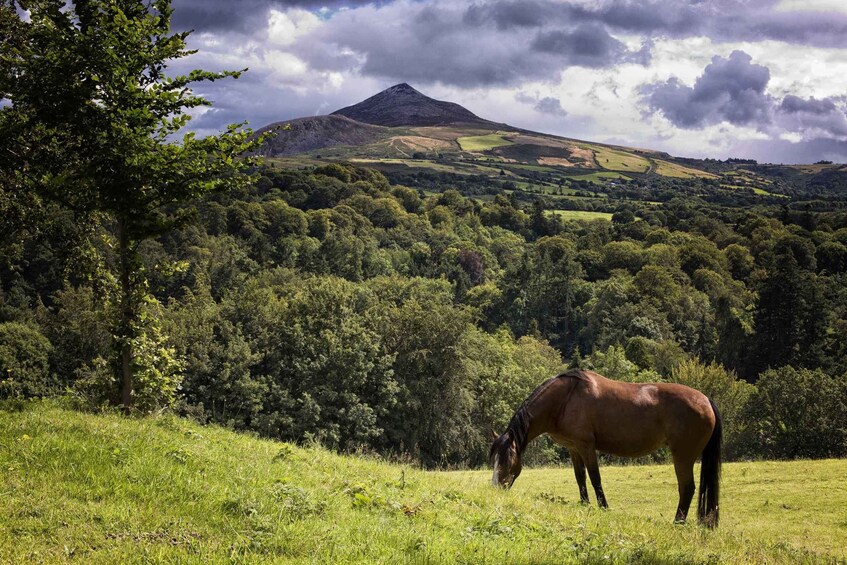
[731,395]
[24,362]
[799,413]
[613,364]
[92,105]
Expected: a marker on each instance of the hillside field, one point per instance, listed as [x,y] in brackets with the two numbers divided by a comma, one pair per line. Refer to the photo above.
[98,489]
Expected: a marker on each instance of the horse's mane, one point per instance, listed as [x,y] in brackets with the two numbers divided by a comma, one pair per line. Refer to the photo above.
[518,428]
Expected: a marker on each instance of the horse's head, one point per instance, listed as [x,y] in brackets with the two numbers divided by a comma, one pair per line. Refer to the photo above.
[506,460]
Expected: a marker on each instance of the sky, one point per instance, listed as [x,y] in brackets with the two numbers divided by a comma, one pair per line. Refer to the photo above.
[761,79]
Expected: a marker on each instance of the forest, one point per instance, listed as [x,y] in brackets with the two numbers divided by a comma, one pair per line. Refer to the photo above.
[328,304]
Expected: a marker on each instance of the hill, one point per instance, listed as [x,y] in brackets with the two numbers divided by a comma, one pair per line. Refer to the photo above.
[105,489]
[306,134]
[425,143]
[402,105]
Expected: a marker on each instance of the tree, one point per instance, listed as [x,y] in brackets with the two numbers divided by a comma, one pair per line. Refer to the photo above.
[91,125]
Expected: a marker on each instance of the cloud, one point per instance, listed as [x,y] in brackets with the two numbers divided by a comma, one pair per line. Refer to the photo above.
[733,90]
[586,46]
[813,117]
[434,43]
[242,16]
[591,57]
[546,105]
[550,105]
[730,90]
[722,20]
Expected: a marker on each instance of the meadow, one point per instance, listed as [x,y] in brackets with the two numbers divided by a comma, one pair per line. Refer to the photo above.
[617,160]
[482,142]
[581,215]
[105,489]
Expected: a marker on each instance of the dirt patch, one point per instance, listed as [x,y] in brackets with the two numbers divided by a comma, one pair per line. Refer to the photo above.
[418,143]
[582,154]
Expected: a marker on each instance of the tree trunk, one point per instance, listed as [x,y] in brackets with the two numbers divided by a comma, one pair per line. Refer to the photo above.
[126,330]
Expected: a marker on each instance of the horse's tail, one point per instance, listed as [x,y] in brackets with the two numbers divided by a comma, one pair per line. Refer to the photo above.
[710,475]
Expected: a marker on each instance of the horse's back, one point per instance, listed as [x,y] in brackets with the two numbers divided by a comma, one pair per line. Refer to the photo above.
[636,418]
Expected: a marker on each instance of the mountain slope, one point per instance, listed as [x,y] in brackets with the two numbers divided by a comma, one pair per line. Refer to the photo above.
[402,105]
[307,134]
[108,489]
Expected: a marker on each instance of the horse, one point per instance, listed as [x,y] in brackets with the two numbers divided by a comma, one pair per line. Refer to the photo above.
[586,412]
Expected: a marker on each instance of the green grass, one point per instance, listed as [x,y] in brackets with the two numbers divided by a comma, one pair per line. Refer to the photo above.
[581,215]
[105,489]
[598,178]
[482,142]
[668,169]
[616,160]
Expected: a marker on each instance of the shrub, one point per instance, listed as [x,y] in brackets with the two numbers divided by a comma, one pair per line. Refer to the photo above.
[24,362]
[797,413]
[729,394]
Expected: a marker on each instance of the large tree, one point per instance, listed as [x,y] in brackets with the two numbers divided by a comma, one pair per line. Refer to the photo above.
[90,121]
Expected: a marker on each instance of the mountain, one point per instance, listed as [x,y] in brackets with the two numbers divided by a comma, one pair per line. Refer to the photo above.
[419,141]
[307,134]
[402,105]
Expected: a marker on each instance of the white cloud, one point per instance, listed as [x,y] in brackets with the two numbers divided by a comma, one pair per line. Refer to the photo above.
[812,6]
[284,28]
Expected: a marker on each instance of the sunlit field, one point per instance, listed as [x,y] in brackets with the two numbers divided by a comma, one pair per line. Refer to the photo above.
[78,487]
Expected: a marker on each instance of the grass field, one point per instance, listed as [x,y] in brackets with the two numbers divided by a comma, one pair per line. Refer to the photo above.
[581,215]
[105,489]
[668,169]
[615,160]
[482,142]
[598,178]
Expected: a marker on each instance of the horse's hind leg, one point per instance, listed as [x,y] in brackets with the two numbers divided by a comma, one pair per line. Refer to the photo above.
[590,457]
[684,468]
[579,472]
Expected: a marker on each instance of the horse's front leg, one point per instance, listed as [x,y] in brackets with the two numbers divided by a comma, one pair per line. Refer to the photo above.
[579,472]
[590,457]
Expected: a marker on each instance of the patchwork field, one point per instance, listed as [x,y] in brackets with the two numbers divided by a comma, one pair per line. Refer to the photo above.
[106,489]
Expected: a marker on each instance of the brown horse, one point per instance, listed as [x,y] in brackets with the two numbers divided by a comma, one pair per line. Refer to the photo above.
[587,412]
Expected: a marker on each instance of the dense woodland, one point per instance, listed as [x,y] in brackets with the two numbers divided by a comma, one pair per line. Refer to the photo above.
[329,304]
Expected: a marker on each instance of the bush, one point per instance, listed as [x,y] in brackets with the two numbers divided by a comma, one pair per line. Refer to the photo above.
[729,394]
[798,413]
[24,362]
[613,364]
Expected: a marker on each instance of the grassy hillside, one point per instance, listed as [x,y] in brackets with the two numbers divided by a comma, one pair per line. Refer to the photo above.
[106,489]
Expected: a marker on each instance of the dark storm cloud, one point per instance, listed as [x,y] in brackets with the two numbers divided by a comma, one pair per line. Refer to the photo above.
[546,105]
[550,105]
[795,105]
[428,44]
[732,90]
[729,90]
[822,116]
[721,20]
[242,16]
[587,46]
